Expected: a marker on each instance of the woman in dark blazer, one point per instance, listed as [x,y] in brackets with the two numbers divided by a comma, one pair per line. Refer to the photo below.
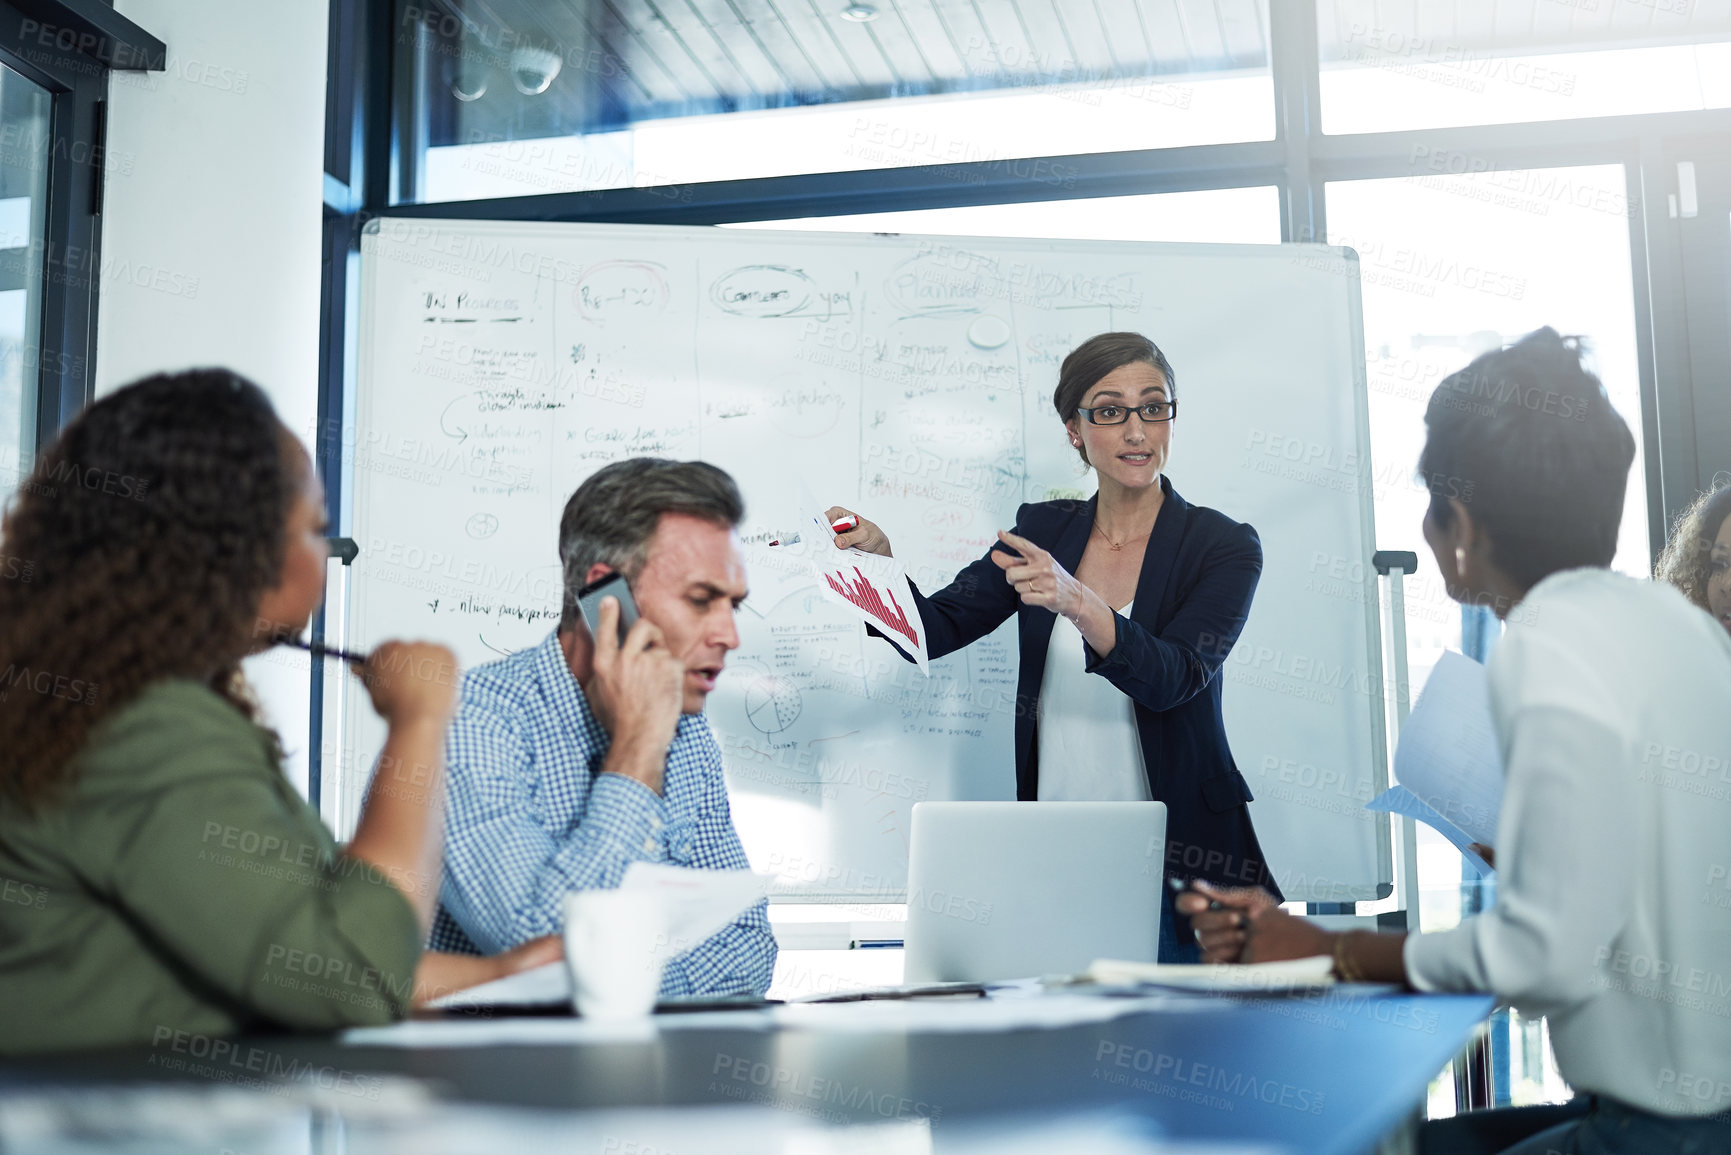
[1157,588]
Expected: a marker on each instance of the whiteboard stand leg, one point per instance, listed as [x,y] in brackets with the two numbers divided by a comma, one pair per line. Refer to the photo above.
[333,737]
[1394,565]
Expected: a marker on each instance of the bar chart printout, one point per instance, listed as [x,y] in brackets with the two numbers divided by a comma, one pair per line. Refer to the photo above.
[873,586]
[864,595]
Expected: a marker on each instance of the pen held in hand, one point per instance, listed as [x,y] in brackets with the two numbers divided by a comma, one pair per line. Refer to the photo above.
[1180,885]
[322,651]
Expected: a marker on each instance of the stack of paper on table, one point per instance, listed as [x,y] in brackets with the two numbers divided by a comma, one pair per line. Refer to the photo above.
[547,985]
[1448,766]
[1293,975]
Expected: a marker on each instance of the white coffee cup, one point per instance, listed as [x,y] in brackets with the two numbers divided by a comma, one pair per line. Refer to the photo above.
[614,946]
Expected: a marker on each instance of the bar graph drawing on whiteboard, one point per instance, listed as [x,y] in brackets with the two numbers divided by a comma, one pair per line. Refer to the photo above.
[873,586]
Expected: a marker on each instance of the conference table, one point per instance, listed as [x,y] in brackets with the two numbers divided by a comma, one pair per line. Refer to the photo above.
[1328,1072]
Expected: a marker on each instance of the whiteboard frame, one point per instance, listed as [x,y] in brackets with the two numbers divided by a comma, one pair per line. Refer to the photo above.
[351,786]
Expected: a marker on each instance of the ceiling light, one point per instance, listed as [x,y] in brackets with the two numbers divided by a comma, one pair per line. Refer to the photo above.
[859,13]
[533,69]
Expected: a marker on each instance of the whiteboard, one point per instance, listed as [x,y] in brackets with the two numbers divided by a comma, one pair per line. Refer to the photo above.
[908,377]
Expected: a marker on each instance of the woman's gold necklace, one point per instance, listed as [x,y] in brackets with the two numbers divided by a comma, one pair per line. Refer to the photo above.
[1118,546]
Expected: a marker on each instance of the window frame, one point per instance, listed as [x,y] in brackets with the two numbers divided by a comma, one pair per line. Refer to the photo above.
[69,49]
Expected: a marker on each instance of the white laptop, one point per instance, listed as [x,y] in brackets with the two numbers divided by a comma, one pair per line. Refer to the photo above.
[1004,890]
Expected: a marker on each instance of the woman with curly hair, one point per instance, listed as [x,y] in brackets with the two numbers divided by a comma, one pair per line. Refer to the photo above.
[158,872]
[1697,559]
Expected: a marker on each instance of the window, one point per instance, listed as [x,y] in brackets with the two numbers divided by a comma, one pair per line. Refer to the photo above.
[514,99]
[1228,216]
[24,108]
[54,70]
[1411,64]
[1453,266]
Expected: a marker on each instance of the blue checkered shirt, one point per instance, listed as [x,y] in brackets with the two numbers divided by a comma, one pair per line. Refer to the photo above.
[532,818]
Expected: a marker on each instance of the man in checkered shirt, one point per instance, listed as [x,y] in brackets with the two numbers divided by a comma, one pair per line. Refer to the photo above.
[572,760]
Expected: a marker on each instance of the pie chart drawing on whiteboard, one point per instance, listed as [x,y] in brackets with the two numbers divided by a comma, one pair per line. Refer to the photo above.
[772,704]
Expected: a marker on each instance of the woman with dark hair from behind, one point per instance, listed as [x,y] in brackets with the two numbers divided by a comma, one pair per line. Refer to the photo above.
[162,875]
[1697,559]
[1608,697]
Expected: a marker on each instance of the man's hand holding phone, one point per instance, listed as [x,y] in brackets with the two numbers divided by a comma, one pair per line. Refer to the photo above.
[636,690]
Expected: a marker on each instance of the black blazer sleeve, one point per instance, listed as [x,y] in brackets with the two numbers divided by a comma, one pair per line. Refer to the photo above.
[977,602]
[1160,671]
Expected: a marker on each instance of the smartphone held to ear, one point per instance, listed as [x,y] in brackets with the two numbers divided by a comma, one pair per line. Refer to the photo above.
[608,586]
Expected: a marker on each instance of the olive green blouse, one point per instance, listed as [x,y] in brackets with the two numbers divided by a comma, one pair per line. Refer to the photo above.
[181,886]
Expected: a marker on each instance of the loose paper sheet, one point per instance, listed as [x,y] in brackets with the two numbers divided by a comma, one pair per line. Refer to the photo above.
[485,1032]
[1399,800]
[694,904]
[1448,758]
[1300,974]
[545,985]
[872,586]
[1053,1010]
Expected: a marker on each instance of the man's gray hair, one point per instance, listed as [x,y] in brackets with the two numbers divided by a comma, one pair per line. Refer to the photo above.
[612,516]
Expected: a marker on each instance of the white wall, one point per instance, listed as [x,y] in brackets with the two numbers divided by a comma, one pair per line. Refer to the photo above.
[211,225]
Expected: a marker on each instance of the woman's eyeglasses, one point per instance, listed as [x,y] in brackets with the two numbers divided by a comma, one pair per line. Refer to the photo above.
[1118,414]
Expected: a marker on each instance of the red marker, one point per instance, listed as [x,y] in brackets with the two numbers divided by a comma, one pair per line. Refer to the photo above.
[845,524]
